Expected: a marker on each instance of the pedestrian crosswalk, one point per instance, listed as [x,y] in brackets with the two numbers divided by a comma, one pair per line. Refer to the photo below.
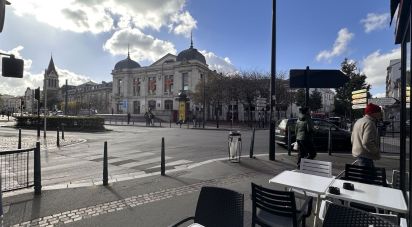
[77,165]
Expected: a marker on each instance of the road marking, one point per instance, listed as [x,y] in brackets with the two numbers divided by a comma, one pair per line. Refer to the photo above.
[175,163]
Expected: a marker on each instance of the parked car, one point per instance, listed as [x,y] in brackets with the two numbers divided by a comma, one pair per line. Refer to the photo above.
[382,126]
[336,121]
[341,139]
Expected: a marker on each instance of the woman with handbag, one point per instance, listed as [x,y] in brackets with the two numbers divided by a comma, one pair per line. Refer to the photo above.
[304,135]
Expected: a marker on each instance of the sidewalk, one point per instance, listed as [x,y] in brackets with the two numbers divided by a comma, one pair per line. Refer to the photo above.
[153,201]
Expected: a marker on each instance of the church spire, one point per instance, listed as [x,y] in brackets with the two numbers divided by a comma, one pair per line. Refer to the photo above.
[51,67]
[128,50]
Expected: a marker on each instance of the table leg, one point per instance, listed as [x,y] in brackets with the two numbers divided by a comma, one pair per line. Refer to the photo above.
[316,213]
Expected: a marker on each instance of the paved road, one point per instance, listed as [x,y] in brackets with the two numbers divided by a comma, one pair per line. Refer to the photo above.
[133,151]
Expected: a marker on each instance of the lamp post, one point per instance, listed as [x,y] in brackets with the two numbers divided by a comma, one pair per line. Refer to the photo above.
[204,98]
[272,146]
[45,107]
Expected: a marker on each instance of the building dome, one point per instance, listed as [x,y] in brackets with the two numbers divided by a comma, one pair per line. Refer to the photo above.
[126,64]
[191,54]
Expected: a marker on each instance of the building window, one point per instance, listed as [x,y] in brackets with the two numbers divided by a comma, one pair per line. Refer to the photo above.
[169,105]
[119,88]
[152,104]
[136,87]
[185,81]
[168,86]
[136,107]
[152,85]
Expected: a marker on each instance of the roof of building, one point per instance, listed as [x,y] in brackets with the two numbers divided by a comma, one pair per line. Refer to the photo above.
[191,54]
[127,63]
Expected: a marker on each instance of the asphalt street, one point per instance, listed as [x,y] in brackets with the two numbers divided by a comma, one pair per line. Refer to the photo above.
[133,151]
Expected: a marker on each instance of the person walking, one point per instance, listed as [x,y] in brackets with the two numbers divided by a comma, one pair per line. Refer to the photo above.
[365,136]
[304,135]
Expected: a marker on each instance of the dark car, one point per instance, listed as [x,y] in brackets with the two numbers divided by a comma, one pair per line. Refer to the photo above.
[341,139]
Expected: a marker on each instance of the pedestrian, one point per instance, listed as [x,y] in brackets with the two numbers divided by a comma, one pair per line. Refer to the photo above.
[146,117]
[194,121]
[365,137]
[304,135]
[128,118]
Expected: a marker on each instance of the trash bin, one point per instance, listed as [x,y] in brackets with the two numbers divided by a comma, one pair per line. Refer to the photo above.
[234,146]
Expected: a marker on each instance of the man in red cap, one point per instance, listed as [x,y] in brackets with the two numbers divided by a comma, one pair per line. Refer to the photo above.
[365,137]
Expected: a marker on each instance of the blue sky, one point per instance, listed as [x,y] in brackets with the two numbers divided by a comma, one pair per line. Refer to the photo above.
[88,37]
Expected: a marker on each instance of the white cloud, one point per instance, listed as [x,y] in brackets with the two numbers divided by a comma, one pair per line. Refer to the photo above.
[17,86]
[101,16]
[183,24]
[142,46]
[375,21]
[375,64]
[217,63]
[379,95]
[339,47]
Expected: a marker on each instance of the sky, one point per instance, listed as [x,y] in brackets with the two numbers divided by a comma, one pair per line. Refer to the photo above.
[88,37]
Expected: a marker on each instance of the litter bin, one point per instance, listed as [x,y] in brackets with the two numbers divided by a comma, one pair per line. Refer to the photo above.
[234,146]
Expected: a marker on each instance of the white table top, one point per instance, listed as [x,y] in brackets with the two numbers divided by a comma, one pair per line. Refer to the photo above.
[306,182]
[195,225]
[373,195]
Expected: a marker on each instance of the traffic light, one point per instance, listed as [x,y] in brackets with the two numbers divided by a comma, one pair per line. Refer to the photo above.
[12,67]
[37,93]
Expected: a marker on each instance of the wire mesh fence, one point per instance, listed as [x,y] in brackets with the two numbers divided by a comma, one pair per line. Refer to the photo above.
[17,168]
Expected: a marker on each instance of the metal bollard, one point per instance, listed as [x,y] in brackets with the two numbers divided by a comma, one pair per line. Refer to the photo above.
[19,144]
[62,132]
[289,141]
[330,141]
[170,123]
[162,159]
[105,166]
[37,170]
[58,138]
[252,144]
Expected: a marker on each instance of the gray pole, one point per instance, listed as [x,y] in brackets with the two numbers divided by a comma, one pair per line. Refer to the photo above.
[272,146]
[58,138]
[45,108]
[162,158]
[65,100]
[37,170]
[19,144]
[252,144]
[105,166]
[204,99]
[307,86]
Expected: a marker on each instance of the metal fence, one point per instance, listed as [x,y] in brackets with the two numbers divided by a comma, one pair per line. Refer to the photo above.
[20,169]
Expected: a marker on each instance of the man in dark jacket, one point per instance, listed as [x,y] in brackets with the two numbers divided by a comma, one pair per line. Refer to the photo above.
[304,135]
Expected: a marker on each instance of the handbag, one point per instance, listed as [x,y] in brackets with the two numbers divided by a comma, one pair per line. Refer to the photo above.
[295,146]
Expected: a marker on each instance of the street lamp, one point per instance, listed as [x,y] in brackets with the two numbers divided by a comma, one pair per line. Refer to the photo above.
[204,97]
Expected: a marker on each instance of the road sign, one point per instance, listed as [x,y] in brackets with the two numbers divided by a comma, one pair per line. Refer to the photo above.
[359,106]
[317,78]
[359,101]
[359,96]
[383,101]
[359,91]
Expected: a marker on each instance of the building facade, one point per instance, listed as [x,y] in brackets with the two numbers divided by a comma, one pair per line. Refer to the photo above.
[87,98]
[139,89]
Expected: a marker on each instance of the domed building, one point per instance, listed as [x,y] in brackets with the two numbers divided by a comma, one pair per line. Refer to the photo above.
[137,89]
